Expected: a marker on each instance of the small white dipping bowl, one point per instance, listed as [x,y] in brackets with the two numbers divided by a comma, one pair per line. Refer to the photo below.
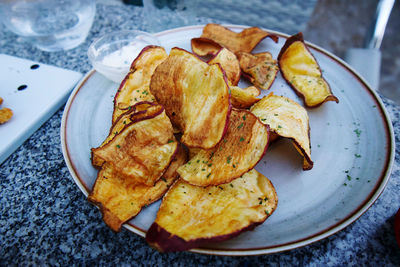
[113,53]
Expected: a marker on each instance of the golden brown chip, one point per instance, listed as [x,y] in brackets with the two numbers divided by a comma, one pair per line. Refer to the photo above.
[191,216]
[302,72]
[261,69]
[239,151]
[139,111]
[195,96]
[288,119]
[142,150]
[205,47]
[244,41]
[229,63]
[120,199]
[135,87]
[244,97]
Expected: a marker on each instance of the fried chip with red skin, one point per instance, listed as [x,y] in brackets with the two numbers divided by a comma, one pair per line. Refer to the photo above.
[143,149]
[244,97]
[205,47]
[239,151]
[288,119]
[301,71]
[136,112]
[135,87]
[261,69]
[244,41]
[229,63]
[195,96]
[120,199]
[191,216]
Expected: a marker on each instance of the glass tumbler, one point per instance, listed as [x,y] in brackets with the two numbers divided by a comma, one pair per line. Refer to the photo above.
[50,25]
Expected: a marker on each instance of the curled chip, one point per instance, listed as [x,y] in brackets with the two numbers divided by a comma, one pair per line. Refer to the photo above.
[229,63]
[239,151]
[302,72]
[143,149]
[191,216]
[135,87]
[244,97]
[120,199]
[244,41]
[205,47]
[261,69]
[195,96]
[141,110]
[288,119]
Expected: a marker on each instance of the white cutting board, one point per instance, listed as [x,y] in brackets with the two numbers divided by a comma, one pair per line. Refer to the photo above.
[34,92]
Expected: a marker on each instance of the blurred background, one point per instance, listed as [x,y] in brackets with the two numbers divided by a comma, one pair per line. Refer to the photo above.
[335,25]
[338,25]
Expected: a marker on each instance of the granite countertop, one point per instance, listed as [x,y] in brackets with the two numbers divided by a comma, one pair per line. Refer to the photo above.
[46,220]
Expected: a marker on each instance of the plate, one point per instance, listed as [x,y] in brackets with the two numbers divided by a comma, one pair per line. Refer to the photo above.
[352,149]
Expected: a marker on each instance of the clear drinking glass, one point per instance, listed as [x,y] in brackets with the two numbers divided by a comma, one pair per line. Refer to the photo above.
[50,25]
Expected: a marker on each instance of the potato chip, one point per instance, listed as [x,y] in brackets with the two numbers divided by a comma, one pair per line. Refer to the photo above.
[195,96]
[261,69]
[239,151]
[142,150]
[244,97]
[135,87]
[121,199]
[191,216]
[244,41]
[205,47]
[288,119]
[302,72]
[136,112]
[229,63]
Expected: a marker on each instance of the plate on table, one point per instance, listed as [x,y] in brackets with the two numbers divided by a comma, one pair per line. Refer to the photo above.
[352,149]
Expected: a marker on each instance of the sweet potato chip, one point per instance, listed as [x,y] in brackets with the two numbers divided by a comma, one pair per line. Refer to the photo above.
[229,63]
[302,72]
[192,216]
[195,96]
[261,69]
[205,47]
[136,112]
[288,119]
[244,41]
[244,97]
[239,151]
[135,87]
[120,199]
[142,150]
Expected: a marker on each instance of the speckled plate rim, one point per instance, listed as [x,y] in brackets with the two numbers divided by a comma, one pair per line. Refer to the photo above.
[370,199]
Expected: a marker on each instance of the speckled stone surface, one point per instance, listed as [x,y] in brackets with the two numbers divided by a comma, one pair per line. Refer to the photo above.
[46,220]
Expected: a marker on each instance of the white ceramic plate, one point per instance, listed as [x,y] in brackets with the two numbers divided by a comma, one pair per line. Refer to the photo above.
[352,149]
